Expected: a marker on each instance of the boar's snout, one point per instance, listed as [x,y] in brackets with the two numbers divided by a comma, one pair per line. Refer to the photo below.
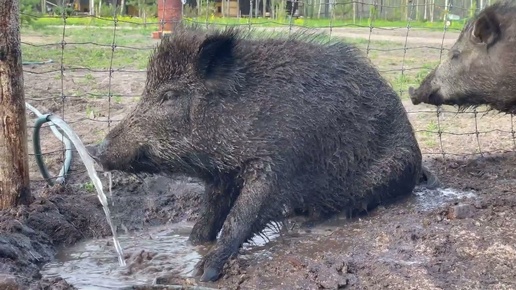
[412,93]
[426,93]
[429,91]
[97,151]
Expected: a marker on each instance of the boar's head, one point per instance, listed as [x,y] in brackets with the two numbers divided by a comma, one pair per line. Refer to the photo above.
[185,75]
[480,68]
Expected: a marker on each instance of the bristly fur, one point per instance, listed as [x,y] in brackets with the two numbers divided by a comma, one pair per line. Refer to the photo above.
[273,125]
[481,68]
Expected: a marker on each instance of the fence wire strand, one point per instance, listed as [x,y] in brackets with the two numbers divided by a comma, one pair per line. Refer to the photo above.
[437,128]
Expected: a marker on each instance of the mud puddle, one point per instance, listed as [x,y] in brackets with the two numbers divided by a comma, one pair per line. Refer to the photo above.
[164,250]
[422,200]
[426,199]
[92,264]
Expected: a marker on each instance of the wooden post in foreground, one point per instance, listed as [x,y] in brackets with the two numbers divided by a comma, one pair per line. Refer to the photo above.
[14,165]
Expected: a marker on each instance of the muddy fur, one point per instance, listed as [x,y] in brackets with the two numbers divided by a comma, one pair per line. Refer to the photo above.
[480,68]
[272,125]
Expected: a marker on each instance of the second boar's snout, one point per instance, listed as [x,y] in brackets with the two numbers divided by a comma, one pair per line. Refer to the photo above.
[428,92]
[413,97]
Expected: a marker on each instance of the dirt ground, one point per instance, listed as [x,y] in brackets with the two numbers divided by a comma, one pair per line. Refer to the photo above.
[459,244]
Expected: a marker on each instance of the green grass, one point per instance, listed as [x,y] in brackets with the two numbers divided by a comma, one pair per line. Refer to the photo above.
[324,23]
[429,134]
[90,47]
[137,22]
[88,186]
[45,21]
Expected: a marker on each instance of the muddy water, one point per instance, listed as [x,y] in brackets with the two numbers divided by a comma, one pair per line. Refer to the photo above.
[92,264]
[163,250]
[429,199]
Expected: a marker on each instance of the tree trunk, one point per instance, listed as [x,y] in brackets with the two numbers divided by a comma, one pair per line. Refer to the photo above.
[354,12]
[446,10]
[144,9]
[407,10]
[122,7]
[417,10]
[92,7]
[14,165]
[319,7]
[425,16]
[432,7]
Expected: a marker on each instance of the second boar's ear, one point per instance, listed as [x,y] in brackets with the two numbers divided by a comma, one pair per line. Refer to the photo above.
[486,29]
[215,57]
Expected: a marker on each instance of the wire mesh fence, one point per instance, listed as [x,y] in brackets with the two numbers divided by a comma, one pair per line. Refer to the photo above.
[90,69]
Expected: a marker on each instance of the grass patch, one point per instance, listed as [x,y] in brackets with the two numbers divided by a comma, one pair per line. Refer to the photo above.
[428,135]
[88,187]
[136,22]
[94,21]
[326,23]
[90,47]
[84,56]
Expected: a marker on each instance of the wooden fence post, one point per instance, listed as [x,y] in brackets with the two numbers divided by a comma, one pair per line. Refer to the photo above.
[14,165]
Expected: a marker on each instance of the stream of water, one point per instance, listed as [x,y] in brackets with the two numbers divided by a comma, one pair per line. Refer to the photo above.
[89,163]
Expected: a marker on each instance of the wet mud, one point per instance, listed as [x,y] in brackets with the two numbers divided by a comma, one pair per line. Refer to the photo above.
[61,216]
[462,237]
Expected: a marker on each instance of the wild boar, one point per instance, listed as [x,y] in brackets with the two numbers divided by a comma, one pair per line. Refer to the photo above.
[273,126]
[480,68]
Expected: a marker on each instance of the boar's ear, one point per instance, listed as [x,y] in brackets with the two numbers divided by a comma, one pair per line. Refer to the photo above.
[486,29]
[215,56]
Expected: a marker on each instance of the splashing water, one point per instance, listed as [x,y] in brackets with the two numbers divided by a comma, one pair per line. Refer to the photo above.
[110,186]
[89,163]
[159,251]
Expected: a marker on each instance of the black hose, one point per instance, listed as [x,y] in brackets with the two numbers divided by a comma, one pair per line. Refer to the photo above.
[37,148]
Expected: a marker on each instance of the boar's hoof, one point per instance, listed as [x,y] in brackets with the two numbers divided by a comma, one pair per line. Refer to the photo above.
[202,234]
[210,275]
[429,179]
[207,273]
[413,98]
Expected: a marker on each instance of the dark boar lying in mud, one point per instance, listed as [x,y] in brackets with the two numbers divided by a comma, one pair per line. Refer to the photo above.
[273,126]
[480,68]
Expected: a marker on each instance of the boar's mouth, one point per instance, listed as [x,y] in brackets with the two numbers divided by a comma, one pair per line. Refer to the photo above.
[138,163]
[432,97]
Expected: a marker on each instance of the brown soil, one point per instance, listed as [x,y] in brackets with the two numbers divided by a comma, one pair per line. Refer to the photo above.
[466,244]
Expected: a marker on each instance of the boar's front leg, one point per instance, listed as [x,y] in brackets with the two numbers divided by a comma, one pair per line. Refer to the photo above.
[219,197]
[245,217]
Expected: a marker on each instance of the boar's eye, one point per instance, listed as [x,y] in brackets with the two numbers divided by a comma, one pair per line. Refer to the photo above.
[168,96]
[455,54]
